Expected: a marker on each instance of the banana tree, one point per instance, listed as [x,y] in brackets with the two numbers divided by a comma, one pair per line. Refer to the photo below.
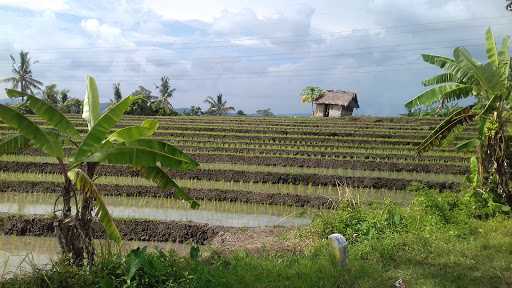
[490,86]
[130,146]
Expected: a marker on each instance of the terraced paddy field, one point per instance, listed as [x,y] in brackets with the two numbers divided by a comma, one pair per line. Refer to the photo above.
[254,173]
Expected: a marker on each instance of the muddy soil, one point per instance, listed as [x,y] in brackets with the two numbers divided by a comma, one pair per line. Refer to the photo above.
[131,230]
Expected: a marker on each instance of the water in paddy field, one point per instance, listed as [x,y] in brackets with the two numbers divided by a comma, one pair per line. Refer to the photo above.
[19,253]
[222,214]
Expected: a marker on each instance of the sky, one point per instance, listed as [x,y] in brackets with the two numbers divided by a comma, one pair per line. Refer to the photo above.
[258,54]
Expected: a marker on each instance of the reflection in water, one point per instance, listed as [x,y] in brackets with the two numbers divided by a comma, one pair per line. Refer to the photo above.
[230,215]
[20,253]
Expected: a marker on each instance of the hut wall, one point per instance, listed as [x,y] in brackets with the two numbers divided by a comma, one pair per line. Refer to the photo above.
[319,110]
[335,110]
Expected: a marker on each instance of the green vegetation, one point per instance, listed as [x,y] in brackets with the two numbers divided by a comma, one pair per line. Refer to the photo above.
[23,79]
[437,241]
[125,146]
[490,85]
[218,106]
[310,94]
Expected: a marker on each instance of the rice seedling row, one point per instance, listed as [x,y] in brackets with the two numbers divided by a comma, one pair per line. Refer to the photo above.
[268,174]
[395,165]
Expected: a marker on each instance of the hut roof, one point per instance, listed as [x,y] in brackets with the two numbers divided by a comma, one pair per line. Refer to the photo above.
[338,97]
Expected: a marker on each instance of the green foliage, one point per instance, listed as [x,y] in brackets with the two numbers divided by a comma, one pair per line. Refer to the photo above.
[489,84]
[240,113]
[117,92]
[91,110]
[85,185]
[125,146]
[413,243]
[72,106]
[218,106]
[51,94]
[23,79]
[194,111]
[310,94]
[264,112]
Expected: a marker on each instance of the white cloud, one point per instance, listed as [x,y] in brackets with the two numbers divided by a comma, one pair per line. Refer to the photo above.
[104,33]
[52,5]
[258,53]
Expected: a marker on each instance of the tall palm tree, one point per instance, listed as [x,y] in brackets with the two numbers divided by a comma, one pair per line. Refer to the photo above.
[218,106]
[490,85]
[166,93]
[22,79]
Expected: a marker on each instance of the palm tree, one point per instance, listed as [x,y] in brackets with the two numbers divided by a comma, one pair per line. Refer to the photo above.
[166,93]
[132,146]
[310,94]
[218,106]
[22,79]
[491,86]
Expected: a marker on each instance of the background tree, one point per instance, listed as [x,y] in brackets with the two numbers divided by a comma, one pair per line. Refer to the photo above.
[310,94]
[218,106]
[142,106]
[194,111]
[491,86]
[51,94]
[130,146]
[240,113]
[117,93]
[509,5]
[163,103]
[23,79]
[72,105]
[64,96]
[264,112]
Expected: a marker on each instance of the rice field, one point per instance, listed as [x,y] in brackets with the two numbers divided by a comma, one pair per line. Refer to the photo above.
[254,172]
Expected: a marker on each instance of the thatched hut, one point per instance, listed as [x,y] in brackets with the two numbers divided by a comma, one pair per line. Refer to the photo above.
[336,103]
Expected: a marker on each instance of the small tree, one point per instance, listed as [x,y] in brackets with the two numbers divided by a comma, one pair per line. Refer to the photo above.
[73,106]
[142,106]
[194,111]
[310,94]
[131,146]
[117,93]
[491,86]
[64,96]
[218,106]
[51,94]
[240,113]
[264,112]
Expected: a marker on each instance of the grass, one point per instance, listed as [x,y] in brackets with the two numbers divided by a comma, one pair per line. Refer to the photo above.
[435,242]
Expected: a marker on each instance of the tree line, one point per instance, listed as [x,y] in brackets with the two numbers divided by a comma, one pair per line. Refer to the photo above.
[148,103]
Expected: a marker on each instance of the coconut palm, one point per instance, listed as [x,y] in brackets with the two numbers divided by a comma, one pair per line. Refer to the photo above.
[310,94]
[490,85]
[22,79]
[218,106]
[164,101]
[130,146]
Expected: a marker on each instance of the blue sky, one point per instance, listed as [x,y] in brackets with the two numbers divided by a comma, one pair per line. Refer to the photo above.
[259,54]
